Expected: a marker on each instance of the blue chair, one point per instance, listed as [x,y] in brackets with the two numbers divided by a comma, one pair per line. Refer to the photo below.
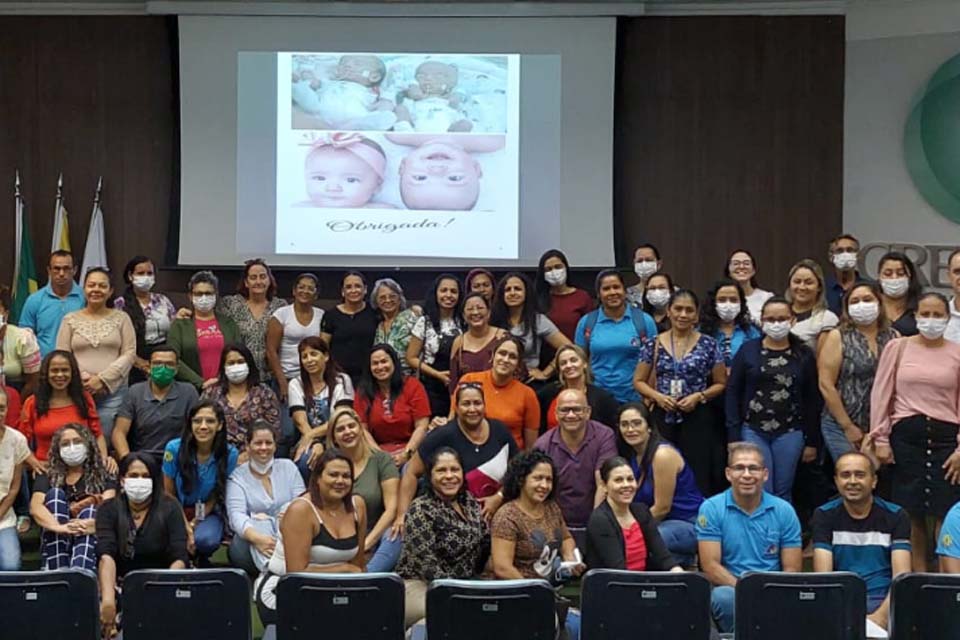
[801,606]
[359,606]
[192,604]
[925,606]
[485,609]
[43,605]
[626,605]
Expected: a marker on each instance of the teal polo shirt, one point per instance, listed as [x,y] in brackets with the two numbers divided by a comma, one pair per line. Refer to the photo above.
[749,542]
[44,310]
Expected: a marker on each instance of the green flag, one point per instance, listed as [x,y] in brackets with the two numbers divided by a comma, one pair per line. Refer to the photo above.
[25,273]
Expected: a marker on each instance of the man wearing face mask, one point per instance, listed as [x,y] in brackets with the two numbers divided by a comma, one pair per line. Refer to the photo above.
[646,262]
[843,252]
[153,411]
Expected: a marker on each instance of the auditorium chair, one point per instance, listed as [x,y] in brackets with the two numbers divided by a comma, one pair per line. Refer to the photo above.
[491,610]
[190,604]
[365,606]
[925,606]
[801,606]
[625,605]
[49,605]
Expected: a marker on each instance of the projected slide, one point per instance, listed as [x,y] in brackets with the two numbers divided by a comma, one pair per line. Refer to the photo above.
[398,154]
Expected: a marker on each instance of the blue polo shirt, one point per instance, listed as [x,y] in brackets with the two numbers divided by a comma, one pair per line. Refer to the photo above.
[948,544]
[749,542]
[206,473]
[614,350]
[43,311]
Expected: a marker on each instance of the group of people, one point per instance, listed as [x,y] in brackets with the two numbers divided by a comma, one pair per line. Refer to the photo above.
[503,428]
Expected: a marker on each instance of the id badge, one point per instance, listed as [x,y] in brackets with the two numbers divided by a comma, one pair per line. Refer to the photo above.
[676,388]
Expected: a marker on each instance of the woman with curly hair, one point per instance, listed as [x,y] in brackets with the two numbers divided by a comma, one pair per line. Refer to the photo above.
[195,470]
[65,500]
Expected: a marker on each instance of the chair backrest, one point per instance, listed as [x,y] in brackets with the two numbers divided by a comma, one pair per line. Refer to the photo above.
[924,605]
[195,604]
[365,606]
[626,605]
[40,605]
[485,609]
[801,606]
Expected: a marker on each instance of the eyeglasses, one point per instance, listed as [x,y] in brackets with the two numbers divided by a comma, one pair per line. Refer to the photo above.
[741,469]
[633,424]
[577,411]
[741,263]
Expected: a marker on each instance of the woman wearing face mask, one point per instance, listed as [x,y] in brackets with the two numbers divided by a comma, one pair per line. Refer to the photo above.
[66,499]
[393,407]
[773,400]
[396,320]
[900,290]
[242,397]
[726,318]
[104,343]
[689,372]
[646,262]
[257,493]
[473,350]
[432,338]
[656,295]
[195,470]
[515,309]
[377,482]
[251,308]
[847,366]
[151,313]
[480,281]
[621,533]
[141,528]
[808,303]
[742,267]
[915,420]
[562,303]
[573,369]
[446,533]
[199,340]
[349,328]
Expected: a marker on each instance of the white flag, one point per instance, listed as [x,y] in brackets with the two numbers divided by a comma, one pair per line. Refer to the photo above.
[95,253]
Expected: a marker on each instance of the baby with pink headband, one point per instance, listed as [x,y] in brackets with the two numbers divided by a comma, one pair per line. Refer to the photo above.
[345,171]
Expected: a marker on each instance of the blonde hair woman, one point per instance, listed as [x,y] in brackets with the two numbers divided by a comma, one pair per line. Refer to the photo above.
[573,372]
[806,295]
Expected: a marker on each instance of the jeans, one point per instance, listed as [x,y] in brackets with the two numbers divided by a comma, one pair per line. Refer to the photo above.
[833,437]
[9,549]
[107,407]
[722,601]
[680,536]
[781,454]
[208,535]
[386,555]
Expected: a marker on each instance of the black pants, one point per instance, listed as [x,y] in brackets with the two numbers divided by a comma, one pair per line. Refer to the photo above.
[700,439]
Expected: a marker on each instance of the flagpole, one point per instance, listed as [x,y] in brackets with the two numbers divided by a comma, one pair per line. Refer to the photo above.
[18,229]
[57,228]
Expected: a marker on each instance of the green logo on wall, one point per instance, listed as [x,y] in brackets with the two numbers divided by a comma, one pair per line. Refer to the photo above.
[932,141]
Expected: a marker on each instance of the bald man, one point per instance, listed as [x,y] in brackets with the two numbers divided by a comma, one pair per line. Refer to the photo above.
[579,446]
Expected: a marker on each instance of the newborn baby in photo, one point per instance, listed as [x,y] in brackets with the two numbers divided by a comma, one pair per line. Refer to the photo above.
[351,100]
[432,105]
[440,173]
[345,171]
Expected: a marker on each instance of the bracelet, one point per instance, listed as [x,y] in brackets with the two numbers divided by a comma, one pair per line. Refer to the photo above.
[703,397]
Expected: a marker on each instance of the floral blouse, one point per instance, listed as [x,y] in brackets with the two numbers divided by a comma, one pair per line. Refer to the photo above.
[399,334]
[253,331]
[439,543]
[424,330]
[261,404]
[693,369]
[857,370]
[775,406]
[158,314]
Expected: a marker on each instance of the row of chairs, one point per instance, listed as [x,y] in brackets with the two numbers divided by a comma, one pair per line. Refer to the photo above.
[214,604]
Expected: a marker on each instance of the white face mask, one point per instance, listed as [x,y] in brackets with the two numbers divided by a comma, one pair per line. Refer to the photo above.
[895,287]
[556,277]
[138,490]
[932,328]
[845,261]
[864,312]
[260,467]
[143,283]
[205,303]
[658,297]
[776,330]
[645,268]
[237,373]
[728,311]
[74,455]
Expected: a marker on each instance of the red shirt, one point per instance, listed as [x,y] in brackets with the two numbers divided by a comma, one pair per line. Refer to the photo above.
[635,547]
[392,428]
[209,347]
[566,311]
[13,408]
[43,427]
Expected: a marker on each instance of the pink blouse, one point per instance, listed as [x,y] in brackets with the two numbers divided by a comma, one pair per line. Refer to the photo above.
[926,383]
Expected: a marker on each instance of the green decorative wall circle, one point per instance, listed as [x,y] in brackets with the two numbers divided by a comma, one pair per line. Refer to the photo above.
[932,140]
